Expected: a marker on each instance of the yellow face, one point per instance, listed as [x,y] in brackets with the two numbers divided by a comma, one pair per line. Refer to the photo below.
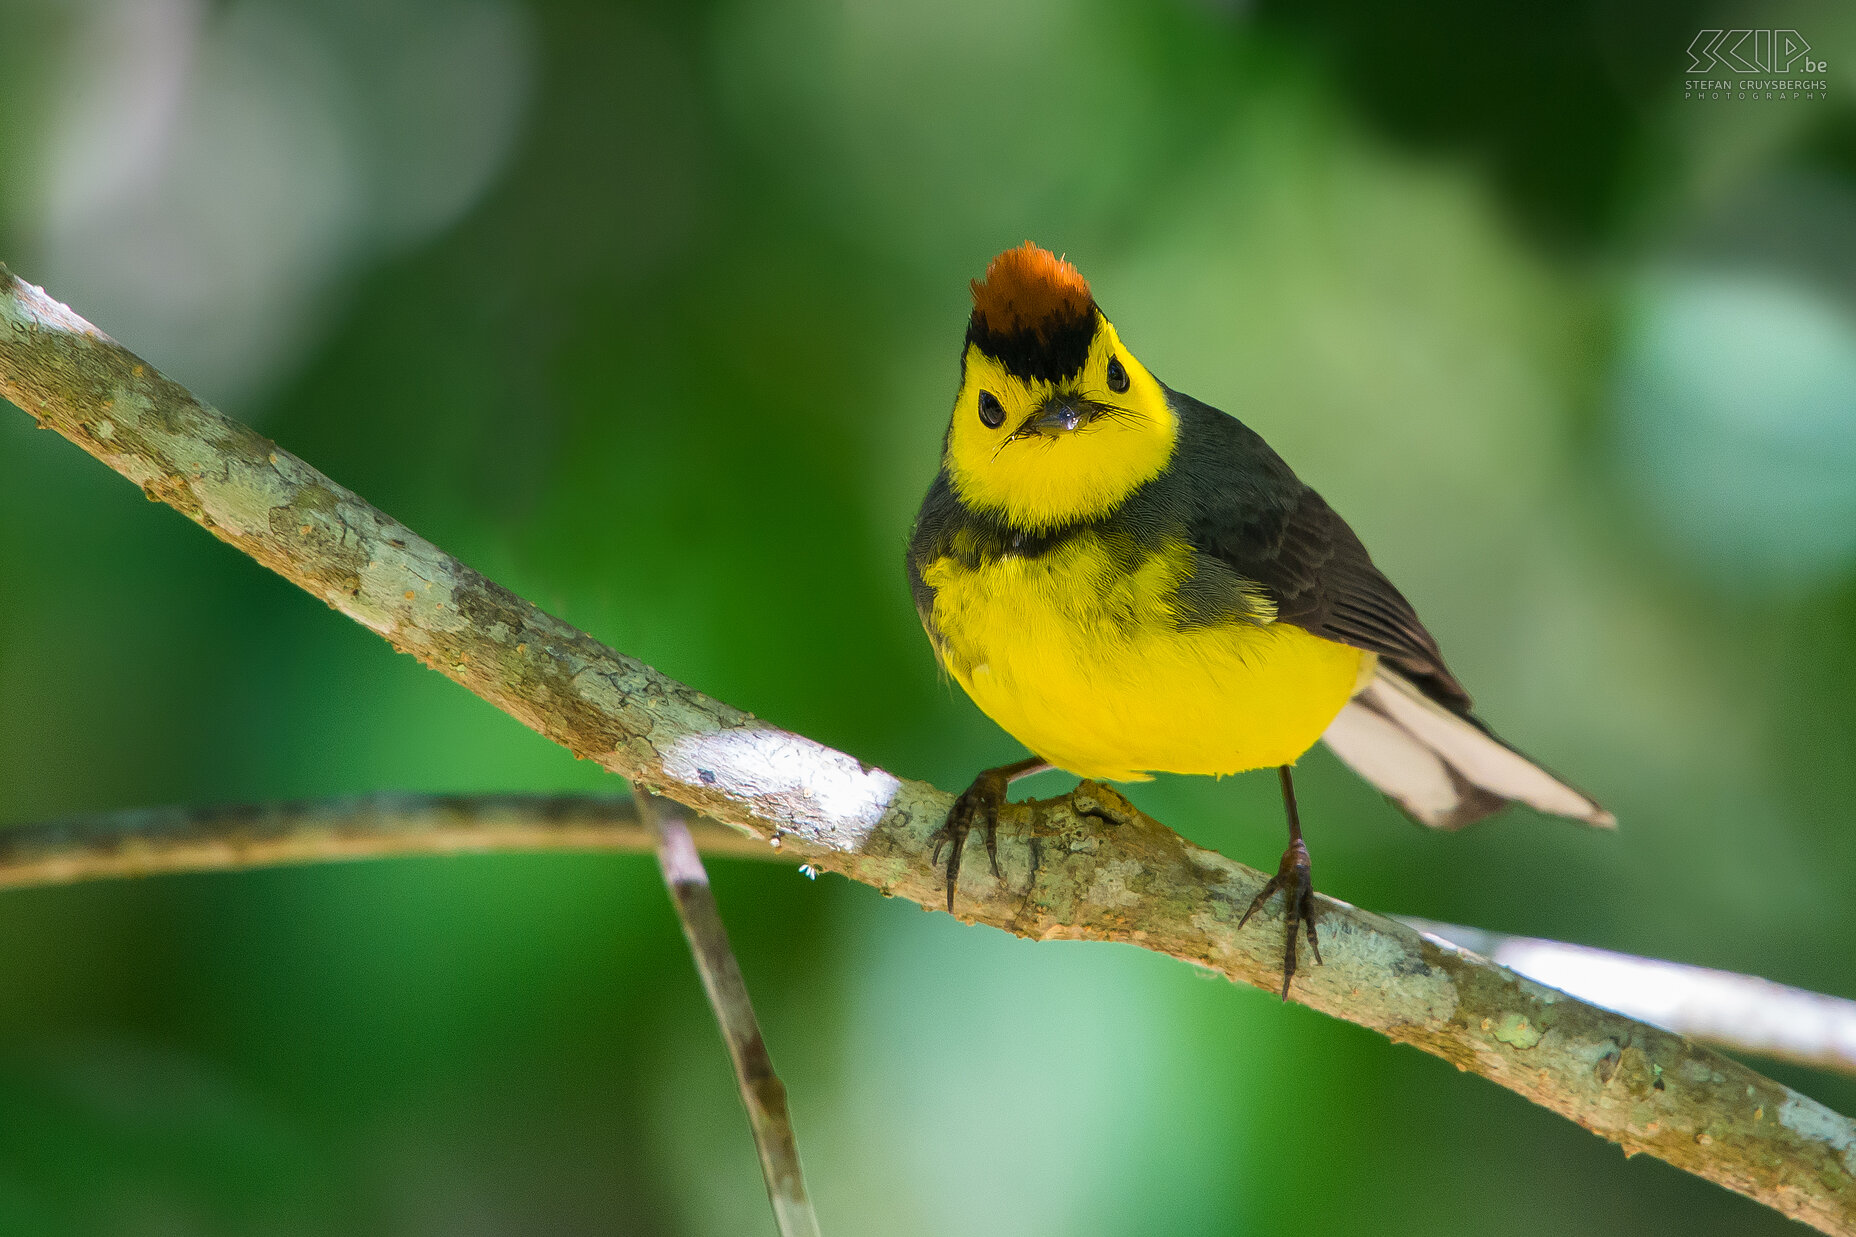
[1040,455]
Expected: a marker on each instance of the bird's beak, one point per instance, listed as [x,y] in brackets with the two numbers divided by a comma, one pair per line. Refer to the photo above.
[1059,414]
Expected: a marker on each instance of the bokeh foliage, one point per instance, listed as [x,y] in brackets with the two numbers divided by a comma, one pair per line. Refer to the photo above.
[651,312]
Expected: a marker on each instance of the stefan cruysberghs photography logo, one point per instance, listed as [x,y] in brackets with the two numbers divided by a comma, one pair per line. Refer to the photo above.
[1753,65]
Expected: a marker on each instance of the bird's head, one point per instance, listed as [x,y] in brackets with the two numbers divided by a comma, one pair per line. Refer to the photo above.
[1056,421]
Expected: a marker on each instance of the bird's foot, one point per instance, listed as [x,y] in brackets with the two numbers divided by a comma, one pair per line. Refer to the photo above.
[976,808]
[1298,906]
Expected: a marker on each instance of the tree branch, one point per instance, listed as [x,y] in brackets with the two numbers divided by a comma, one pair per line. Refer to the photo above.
[1739,1012]
[762,1092]
[155,841]
[1084,866]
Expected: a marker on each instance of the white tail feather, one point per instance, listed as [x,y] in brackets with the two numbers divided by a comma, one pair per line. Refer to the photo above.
[1443,769]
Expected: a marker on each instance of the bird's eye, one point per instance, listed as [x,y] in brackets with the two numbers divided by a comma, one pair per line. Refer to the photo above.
[992,412]
[1117,376]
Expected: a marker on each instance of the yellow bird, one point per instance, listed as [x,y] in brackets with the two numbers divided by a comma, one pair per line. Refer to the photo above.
[1130,582]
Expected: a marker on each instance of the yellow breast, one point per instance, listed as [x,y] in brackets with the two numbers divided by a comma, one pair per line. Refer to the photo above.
[1079,653]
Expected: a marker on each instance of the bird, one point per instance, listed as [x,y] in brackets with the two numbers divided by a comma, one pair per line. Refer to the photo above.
[1130,582]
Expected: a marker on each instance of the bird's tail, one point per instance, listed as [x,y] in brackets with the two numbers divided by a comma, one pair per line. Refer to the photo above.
[1444,768]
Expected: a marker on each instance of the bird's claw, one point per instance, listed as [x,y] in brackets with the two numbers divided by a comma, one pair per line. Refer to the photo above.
[1293,880]
[977,807]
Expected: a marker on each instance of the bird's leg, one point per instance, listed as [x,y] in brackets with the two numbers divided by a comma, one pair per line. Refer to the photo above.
[978,805]
[1298,890]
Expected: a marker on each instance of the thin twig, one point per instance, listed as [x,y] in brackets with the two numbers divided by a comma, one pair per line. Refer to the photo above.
[762,1092]
[1087,865]
[1742,1013]
[153,841]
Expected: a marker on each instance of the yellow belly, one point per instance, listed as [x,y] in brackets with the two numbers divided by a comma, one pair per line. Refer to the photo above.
[1085,663]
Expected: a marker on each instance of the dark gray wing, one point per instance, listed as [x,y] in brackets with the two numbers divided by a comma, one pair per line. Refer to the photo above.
[1248,510]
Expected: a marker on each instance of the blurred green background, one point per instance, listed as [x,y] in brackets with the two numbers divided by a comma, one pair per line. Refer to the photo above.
[652,312]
